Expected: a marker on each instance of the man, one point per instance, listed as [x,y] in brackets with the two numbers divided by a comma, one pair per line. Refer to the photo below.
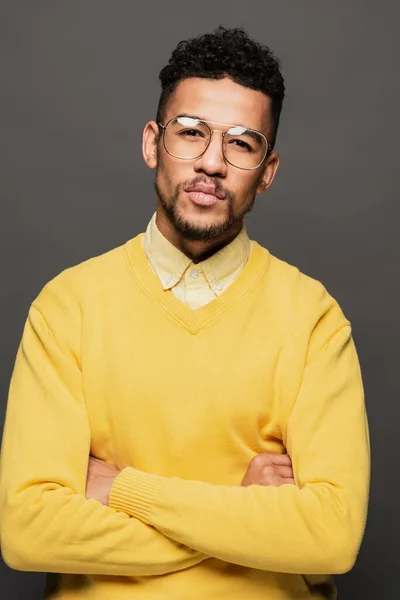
[186,415]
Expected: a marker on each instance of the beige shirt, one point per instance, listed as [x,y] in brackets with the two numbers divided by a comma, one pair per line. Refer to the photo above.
[195,284]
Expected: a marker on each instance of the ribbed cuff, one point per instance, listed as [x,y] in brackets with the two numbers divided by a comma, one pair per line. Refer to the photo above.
[133,492]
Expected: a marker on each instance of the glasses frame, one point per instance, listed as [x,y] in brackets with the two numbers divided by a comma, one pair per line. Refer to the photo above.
[268,146]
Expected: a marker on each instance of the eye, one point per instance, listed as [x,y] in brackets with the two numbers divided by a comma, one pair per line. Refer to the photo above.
[191,133]
[241,145]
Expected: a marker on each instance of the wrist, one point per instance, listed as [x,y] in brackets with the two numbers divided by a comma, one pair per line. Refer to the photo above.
[133,491]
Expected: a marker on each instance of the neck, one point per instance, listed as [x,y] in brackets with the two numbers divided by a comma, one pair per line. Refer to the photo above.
[196,251]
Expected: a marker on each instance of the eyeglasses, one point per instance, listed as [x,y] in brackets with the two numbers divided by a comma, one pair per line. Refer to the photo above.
[188,138]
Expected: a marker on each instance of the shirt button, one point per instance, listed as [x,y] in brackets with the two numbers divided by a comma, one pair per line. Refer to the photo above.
[168,281]
[195,273]
[219,287]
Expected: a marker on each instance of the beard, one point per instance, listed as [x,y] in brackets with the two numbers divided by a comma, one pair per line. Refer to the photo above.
[197,233]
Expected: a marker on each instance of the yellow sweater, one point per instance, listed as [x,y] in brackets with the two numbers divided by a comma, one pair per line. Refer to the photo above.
[181,400]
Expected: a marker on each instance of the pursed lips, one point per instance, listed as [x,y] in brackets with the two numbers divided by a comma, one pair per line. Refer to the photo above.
[209,190]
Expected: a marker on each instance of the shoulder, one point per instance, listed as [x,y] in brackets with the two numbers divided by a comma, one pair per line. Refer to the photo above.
[303,301]
[67,292]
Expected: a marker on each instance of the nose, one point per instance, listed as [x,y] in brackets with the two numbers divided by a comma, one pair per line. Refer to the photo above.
[212,161]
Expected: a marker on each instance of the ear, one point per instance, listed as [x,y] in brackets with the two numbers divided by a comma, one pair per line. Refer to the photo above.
[270,169]
[151,134]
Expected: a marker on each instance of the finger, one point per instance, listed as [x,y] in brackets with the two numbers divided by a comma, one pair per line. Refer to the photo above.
[278,481]
[97,465]
[281,459]
[285,472]
[94,460]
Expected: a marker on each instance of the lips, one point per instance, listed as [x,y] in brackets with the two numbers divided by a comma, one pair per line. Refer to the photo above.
[202,199]
[207,190]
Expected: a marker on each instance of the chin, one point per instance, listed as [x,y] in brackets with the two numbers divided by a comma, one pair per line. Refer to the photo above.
[201,228]
[195,222]
[203,219]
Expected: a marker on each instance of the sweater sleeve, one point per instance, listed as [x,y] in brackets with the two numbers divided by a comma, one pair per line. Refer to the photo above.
[46,522]
[314,527]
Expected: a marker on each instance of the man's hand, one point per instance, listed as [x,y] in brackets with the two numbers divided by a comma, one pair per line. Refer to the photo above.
[100,479]
[264,469]
[269,469]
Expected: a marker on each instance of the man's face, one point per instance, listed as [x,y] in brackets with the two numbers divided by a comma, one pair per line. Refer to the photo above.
[216,101]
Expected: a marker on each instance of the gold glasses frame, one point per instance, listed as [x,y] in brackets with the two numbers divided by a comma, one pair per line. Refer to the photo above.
[268,147]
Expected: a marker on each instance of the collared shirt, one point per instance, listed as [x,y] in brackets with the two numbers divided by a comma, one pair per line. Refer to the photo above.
[195,284]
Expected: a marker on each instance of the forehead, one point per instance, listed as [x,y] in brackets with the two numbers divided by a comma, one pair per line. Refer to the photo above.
[221,101]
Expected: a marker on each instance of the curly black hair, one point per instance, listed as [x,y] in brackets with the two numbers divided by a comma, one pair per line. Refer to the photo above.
[226,53]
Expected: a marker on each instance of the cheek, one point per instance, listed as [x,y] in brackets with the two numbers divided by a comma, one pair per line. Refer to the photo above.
[244,188]
[163,178]
[171,174]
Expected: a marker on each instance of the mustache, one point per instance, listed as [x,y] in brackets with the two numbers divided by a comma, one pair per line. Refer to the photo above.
[214,181]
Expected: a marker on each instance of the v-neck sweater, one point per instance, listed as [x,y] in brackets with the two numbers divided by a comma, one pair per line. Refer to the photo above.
[180,401]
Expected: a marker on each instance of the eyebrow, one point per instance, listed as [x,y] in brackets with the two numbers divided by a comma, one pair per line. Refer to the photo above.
[252,134]
[190,116]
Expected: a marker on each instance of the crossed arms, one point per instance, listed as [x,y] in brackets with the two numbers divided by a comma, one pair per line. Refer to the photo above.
[47,523]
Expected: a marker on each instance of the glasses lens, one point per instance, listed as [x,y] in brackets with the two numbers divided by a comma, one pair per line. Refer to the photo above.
[244,148]
[186,137]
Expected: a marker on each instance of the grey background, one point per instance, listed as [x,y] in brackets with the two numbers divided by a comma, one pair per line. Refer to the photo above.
[79,79]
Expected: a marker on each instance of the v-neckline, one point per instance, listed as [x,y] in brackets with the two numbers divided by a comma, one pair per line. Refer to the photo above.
[195,320]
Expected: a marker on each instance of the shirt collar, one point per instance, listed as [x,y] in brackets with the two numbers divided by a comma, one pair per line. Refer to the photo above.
[169,263]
